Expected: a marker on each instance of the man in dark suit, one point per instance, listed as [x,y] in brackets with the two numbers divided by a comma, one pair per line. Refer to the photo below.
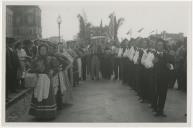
[162,67]
[35,49]
[12,66]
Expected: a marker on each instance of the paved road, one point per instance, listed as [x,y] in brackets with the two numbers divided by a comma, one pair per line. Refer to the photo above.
[110,101]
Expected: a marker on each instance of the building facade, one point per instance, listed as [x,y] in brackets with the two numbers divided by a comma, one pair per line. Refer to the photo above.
[9,22]
[26,22]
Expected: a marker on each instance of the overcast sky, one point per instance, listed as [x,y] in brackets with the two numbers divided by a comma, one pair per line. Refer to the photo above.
[173,17]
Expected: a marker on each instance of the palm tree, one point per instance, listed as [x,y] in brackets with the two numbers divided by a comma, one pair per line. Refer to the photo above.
[114,26]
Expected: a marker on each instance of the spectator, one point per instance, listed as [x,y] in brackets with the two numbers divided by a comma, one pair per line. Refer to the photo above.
[12,66]
[22,60]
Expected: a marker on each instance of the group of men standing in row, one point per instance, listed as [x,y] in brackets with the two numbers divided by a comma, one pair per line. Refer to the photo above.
[148,65]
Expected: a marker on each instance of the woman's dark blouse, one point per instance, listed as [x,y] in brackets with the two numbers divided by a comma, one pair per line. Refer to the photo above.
[44,64]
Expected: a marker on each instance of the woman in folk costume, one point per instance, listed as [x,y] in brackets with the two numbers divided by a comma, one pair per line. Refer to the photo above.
[162,67]
[64,90]
[43,104]
[71,59]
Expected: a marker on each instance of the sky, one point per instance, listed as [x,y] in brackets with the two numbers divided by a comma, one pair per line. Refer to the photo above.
[173,17]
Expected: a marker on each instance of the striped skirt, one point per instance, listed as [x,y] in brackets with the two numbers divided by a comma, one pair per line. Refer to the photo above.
[46,109]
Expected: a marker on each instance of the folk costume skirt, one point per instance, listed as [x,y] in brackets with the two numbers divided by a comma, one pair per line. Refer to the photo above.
[45,109]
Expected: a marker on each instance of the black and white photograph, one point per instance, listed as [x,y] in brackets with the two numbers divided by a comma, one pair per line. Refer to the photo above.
[97,62]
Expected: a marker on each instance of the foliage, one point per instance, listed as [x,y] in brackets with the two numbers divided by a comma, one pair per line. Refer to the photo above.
[114,26]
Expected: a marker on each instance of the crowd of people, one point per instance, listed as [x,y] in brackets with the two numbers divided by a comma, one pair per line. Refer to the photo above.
[148,65]
[50,69]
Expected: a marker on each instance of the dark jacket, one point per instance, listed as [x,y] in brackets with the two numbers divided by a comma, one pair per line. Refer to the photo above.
[161,69]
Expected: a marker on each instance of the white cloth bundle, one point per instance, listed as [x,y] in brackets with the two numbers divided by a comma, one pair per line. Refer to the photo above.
[136,56]
[30,80]
[149,60]
[144,56]
[171,67]
[41,91]
[125,53]
[131,53]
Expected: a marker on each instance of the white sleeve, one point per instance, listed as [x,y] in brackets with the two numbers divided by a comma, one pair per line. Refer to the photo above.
[128,51]
[143,59]
[133,53]
[134,57]
[149,60]
[171,67]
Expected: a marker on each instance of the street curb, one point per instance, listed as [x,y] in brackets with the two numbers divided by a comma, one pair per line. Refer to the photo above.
[18,97]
